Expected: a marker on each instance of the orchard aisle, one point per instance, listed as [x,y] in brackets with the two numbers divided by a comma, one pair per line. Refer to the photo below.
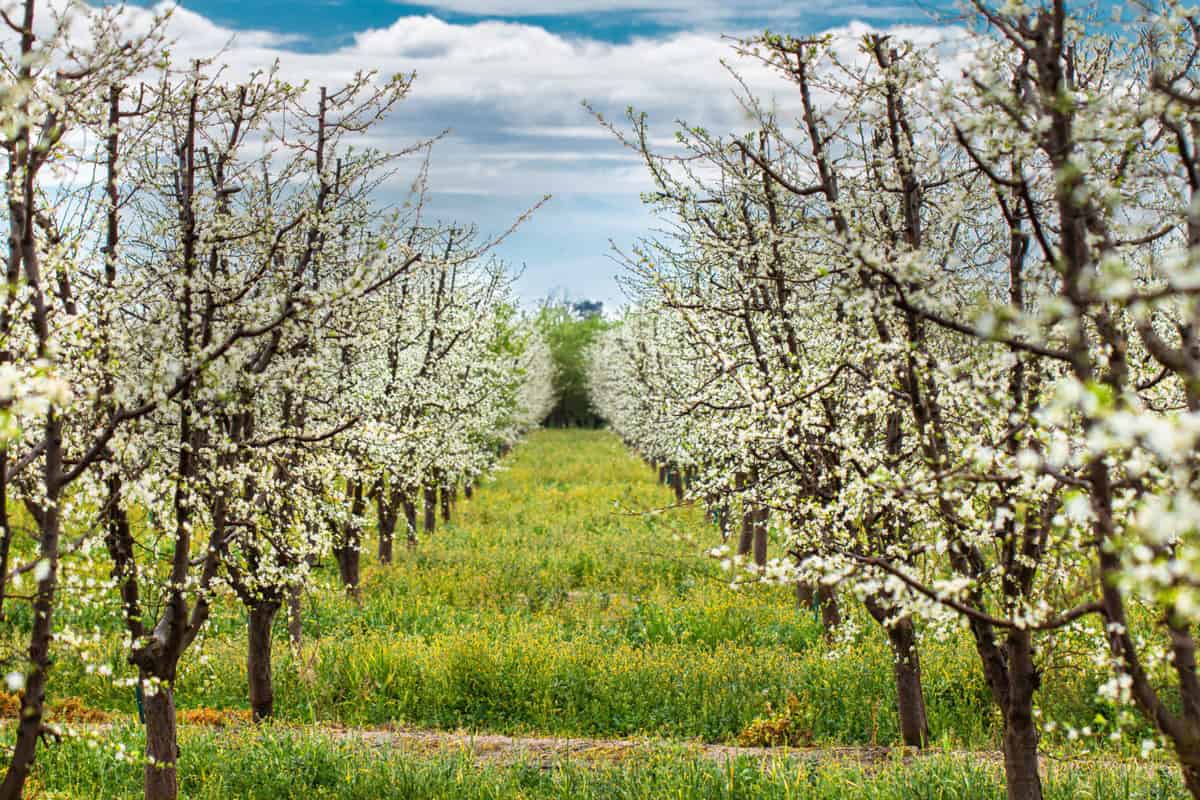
[550,606]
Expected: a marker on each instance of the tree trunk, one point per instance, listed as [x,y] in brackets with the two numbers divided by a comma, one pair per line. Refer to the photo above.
[910,696]
[258,659]
[1020,733]
[823,598]
[34,699]
[445,502]
[746,539]
[32,707]
[348,568]
[906,668]
[5,530]
[468,490]
[1021,757]
[385,546]
[831,612]
[349,549]
[430,508]
[410,520]
[760,535]
[294,623]
[386,512]
[162,747]
[1190,764]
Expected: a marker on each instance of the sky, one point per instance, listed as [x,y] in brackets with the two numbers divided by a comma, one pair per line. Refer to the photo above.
[507,79]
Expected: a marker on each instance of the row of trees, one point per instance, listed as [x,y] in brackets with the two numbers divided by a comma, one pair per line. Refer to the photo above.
[939,333]
[219,350]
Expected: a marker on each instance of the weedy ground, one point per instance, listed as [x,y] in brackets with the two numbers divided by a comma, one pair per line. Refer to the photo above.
[569,599]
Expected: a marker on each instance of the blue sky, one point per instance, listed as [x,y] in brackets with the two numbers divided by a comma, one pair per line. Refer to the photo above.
[326,24]
[507,77]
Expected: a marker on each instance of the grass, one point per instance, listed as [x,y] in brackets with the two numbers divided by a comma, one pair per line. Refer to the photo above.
[275,763]
[550,607]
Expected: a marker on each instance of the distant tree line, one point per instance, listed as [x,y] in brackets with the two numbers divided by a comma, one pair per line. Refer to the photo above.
[570,328]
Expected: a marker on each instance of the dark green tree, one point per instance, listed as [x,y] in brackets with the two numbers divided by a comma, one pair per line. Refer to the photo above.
[570,329]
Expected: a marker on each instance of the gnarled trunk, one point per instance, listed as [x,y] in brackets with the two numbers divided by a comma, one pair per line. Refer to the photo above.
[258,658]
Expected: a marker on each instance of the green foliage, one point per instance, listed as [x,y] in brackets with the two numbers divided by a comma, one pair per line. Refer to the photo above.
[570,330]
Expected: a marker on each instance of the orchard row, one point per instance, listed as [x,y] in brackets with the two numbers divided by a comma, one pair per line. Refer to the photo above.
[220,352]
[931,325]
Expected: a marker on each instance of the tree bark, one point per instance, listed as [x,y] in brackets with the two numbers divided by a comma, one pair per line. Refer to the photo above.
[468,490]
[444,496]
[746,539]
[760,535]
[910,695]
[162,749]
[1190,764]
[430,508]
[258,659]
[906,669]
[676,479]
[34,698]
[5,530]
[1020,732]
[386,513]
[348,568]
[349,549]
[410,520]
[1021,758]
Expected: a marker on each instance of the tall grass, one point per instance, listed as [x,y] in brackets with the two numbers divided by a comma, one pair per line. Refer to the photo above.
[276,764]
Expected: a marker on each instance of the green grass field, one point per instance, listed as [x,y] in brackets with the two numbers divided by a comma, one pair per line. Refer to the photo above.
[553,605]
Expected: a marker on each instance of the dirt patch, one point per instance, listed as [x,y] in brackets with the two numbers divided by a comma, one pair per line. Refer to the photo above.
[214,718]
[67,709]
[492,748]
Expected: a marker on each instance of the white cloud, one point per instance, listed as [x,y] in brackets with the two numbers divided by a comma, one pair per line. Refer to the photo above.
[512,92]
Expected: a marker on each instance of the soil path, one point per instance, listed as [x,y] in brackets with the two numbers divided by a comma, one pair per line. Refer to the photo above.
[545,752]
